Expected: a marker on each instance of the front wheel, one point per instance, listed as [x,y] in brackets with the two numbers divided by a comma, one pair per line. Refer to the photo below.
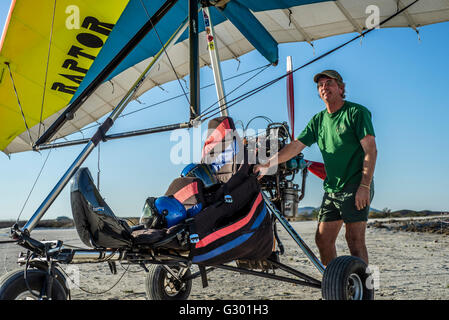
[347,278]
[13,286]
[160,284]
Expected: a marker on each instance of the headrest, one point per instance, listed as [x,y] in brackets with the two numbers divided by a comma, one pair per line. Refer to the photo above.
[223,148]
[187,190]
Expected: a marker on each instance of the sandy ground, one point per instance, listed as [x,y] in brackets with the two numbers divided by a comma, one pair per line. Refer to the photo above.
[407,266]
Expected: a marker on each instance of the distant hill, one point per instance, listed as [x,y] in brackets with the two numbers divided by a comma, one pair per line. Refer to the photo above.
[303,210]
[306,213]
[402,213]
[60,222]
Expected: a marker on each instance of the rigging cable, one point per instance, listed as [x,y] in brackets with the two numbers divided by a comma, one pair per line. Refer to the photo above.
[212,113]
[34,184]
[204,87]
[236,88]
[46,69]
[20,105]
[266,85]
[202,117]
[165,51]
[180,95]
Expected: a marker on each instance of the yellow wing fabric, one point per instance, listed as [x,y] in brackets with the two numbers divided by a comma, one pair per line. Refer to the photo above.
[49,47]
[238,26]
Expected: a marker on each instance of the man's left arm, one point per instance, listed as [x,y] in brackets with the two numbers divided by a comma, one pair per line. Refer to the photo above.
[362,198]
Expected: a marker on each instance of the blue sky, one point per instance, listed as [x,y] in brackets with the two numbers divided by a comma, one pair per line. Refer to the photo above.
[402,80]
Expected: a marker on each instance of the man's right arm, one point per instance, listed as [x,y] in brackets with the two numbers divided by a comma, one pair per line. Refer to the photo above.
[289,151]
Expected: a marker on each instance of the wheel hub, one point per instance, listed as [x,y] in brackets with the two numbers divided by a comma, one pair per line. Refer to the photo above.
[172,285]
[355,287]
[26,295]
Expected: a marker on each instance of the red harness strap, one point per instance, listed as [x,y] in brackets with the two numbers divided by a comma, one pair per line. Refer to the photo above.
[229,229]
[188,191]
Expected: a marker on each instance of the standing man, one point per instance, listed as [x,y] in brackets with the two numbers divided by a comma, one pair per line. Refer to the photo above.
[345,135]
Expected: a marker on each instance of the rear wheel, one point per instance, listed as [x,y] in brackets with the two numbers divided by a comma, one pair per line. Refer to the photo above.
[347,278]
[13,286]
[162,285]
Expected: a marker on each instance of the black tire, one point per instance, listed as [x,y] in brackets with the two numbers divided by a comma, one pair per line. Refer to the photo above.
[161,285]
[14,287]
[58,276]
[347,278]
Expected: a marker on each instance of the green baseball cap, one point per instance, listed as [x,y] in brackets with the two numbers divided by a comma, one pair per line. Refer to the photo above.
[328,73]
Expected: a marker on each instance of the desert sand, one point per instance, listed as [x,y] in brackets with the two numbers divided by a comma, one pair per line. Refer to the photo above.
[407,266]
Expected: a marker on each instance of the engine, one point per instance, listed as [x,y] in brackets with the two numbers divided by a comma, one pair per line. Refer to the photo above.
[284,192]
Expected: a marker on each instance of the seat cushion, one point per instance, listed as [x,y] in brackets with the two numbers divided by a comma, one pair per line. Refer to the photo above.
[148,236]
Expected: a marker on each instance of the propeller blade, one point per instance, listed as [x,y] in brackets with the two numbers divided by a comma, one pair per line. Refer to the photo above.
[317,168]
[290,96]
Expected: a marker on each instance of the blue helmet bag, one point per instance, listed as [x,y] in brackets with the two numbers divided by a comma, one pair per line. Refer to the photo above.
[162,212]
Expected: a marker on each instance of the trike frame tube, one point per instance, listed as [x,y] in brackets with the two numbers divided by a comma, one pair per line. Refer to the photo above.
[215,61]
[98,136]
[309,253]
[80,256]
[269,276]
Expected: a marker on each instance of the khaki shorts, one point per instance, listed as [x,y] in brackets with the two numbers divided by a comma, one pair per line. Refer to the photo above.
[341,205]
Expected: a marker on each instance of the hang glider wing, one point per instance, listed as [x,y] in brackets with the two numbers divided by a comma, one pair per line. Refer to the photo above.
[48,77]
[45,77]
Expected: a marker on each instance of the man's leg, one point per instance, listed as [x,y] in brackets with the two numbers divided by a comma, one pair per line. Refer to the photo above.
[325,237]
[355,237]
[355,222]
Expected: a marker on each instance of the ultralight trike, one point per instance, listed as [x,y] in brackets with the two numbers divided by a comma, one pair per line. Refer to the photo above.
[236,223]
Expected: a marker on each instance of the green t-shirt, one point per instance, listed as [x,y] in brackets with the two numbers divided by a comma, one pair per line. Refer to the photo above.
[338,136]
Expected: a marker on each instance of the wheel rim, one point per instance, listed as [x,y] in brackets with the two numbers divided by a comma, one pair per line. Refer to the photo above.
[172,286]
[355,287]
[26,295]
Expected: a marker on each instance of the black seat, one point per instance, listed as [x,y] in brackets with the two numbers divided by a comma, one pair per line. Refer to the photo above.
[96,224]
[98,227]
[175,237]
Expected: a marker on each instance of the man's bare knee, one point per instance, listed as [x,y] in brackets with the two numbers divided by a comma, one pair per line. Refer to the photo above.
[355,238]
[323,240]
[355,232]
[327,232]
